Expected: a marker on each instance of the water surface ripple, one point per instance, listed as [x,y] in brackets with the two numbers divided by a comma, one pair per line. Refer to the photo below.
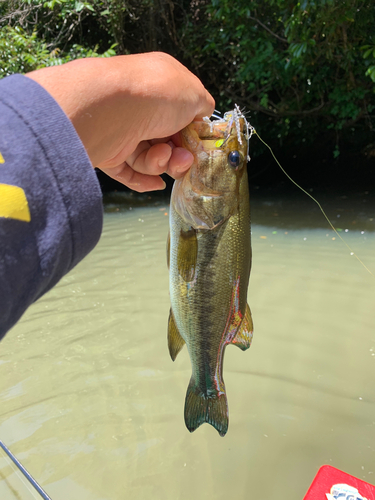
[92,405]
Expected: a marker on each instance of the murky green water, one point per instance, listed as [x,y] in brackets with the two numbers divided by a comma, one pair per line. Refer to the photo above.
[92,405]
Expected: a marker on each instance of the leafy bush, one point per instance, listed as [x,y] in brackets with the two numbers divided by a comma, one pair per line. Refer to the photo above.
[305,70]
[34,35]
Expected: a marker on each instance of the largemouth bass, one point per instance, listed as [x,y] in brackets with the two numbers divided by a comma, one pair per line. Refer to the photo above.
[209,255]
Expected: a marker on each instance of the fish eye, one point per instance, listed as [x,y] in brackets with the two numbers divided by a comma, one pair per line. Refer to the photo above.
[234,159]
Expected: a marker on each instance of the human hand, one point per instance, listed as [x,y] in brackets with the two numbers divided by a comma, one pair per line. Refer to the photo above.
[142,169]
[128,111]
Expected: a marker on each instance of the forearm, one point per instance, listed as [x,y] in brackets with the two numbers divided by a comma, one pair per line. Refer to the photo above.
[45,234]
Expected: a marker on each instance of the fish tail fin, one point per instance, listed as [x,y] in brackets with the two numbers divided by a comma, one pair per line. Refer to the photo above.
[200,408]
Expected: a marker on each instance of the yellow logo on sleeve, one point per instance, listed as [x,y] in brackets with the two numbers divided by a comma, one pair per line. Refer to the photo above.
[13,203]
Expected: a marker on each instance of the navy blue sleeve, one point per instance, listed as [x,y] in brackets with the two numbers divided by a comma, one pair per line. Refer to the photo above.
[50,200]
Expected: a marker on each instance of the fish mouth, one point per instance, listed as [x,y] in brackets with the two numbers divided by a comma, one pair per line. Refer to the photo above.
[208,193]
[233,123]
[218,135]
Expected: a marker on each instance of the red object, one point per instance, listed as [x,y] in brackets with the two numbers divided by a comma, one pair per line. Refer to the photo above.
[328,476]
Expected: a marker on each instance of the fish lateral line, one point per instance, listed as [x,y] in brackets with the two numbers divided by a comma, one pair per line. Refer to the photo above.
[254,132]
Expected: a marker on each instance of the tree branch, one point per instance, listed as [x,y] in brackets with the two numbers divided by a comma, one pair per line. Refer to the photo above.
[284,40]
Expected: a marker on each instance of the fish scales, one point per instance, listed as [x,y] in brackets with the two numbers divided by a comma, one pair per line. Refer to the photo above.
[209,257]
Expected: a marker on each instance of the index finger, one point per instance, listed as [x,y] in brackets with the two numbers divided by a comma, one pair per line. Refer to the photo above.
[175,139]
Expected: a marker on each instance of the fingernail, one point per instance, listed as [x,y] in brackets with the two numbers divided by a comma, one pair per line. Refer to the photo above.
[163,163]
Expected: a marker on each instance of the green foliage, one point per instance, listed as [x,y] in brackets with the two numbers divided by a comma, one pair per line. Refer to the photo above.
[305,70]
[21,53]
[369,54]
[34,35]
[300,61]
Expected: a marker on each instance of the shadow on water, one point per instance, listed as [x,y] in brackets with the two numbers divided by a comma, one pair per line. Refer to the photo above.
[116,201]
[290,208]
[281,207]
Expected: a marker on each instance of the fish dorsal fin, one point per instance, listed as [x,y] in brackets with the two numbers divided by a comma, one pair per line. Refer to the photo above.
[175,341]
[168,249]
[187,252]
[243,337]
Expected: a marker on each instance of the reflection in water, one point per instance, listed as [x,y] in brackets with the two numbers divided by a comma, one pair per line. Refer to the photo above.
[92,405]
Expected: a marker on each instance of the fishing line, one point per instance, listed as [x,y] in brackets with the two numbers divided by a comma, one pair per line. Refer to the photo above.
[308,194]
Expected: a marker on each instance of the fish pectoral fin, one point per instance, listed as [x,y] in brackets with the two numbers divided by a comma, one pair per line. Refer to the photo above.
[168,249]
[175,341]
[200,408]
[187,253]
[243,337]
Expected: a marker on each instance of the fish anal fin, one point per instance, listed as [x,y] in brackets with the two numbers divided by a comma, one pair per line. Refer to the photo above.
[175,341]
[243,337]
[200,408]
[187,252]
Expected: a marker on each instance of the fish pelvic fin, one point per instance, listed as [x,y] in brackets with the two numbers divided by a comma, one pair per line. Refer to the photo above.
[244,336]
[175,341]
[200,408]
[187,254]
